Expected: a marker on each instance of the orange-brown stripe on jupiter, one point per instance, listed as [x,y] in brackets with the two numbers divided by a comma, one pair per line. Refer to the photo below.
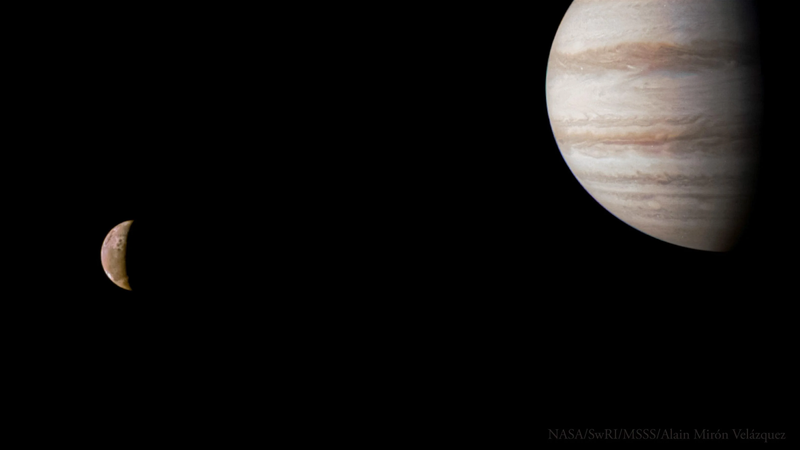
[656,108]
[114,252]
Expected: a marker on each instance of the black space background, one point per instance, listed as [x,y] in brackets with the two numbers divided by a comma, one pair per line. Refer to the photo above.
[364,214]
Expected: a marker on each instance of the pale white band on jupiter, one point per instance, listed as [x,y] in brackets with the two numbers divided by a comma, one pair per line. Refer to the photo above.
[656,108]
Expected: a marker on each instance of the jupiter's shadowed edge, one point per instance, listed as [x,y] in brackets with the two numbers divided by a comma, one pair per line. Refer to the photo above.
[656,108]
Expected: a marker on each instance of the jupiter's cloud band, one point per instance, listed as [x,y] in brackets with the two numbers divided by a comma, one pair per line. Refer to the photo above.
[656,107]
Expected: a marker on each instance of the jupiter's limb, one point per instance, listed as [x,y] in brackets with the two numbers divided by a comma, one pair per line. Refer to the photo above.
[656,108]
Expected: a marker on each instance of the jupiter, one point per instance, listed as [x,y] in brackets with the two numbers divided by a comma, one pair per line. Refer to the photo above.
[656,108]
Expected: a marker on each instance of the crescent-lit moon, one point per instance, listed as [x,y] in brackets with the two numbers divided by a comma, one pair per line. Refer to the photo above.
[113,254]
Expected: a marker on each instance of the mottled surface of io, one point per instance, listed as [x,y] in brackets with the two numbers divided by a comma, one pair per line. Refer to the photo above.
[114,252]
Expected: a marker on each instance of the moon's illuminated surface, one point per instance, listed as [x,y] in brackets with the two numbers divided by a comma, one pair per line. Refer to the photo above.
[656,107]
[114,252]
